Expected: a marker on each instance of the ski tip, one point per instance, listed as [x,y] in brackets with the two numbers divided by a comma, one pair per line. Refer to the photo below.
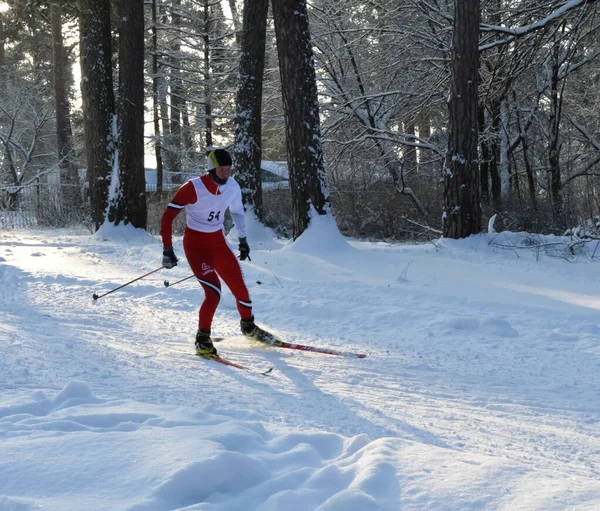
[268,371]
[361,355]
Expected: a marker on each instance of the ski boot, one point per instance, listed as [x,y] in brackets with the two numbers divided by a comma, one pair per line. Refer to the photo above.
[250,330]
[204,344]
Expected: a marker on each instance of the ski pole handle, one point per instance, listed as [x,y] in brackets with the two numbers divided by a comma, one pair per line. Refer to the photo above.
[96,296]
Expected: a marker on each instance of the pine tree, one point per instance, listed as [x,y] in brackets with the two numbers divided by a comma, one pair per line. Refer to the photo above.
[248,128]
[308,181]
[98,101]
[462,211]
[131,200]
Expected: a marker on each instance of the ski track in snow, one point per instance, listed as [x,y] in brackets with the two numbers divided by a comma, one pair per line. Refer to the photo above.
[480,390]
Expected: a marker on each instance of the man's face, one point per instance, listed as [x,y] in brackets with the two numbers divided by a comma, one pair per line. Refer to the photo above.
[223,172]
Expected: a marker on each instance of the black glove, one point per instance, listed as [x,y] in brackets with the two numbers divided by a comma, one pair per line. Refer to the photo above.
[169,258]
[244,249]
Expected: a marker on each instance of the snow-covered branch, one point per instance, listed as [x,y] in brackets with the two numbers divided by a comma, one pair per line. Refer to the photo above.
[514,33]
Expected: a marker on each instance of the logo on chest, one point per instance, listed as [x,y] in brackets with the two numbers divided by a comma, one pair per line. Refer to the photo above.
[206,268]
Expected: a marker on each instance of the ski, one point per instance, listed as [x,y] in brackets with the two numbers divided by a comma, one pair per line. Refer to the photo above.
[272,340]
[313,349]
[229,363]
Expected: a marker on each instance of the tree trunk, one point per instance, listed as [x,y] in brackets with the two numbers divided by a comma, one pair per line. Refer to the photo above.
[2,54]
[187,138]
[526,160]
[410,153]
[3,82]
[156,102]
[495,167]
[424,127]
[236,21]
[486,156]
[64,135]
[507,181]
[248,127]
[207,77]
[308,181]
[131,202]
[163,92]
[98,101]
[174,146]
[462,210]
[554,144]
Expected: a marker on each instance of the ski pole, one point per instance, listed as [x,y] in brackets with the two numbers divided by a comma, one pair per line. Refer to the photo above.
[168,284]
[95,296]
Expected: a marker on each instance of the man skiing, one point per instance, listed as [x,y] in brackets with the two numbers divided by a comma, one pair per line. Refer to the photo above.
[205,200]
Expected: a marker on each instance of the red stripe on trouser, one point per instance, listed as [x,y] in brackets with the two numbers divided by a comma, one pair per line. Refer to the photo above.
[210,257]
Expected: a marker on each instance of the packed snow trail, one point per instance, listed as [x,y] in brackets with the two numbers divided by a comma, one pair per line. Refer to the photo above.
[481,389]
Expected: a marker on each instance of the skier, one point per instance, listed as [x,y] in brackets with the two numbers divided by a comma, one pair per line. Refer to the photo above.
[205,200]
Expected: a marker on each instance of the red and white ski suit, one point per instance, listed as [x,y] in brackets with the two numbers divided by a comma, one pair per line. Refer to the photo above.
[206,250]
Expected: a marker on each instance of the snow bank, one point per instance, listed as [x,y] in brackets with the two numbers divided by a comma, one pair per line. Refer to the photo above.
[259,236]
[322,238]
[82,452]
[123,233]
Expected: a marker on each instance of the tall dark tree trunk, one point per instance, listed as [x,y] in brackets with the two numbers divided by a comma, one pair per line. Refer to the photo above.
[98,101]
[131,201]
[3,81]
[489,170]
[526,161]
[163,92]
[554,144]
[64,134]
[156,101]
[490,179]
[2,54]
[486,156]
[186,135]
[308,181]
[248,127]
[494,151]
[462,211]
[174,149]
[207,77]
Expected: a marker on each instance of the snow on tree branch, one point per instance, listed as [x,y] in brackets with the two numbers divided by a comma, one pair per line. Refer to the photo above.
[521,31]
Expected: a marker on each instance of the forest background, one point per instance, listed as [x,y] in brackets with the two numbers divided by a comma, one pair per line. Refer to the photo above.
[404,119]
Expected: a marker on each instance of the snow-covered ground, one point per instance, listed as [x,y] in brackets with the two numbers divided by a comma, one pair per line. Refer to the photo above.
[481,389]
